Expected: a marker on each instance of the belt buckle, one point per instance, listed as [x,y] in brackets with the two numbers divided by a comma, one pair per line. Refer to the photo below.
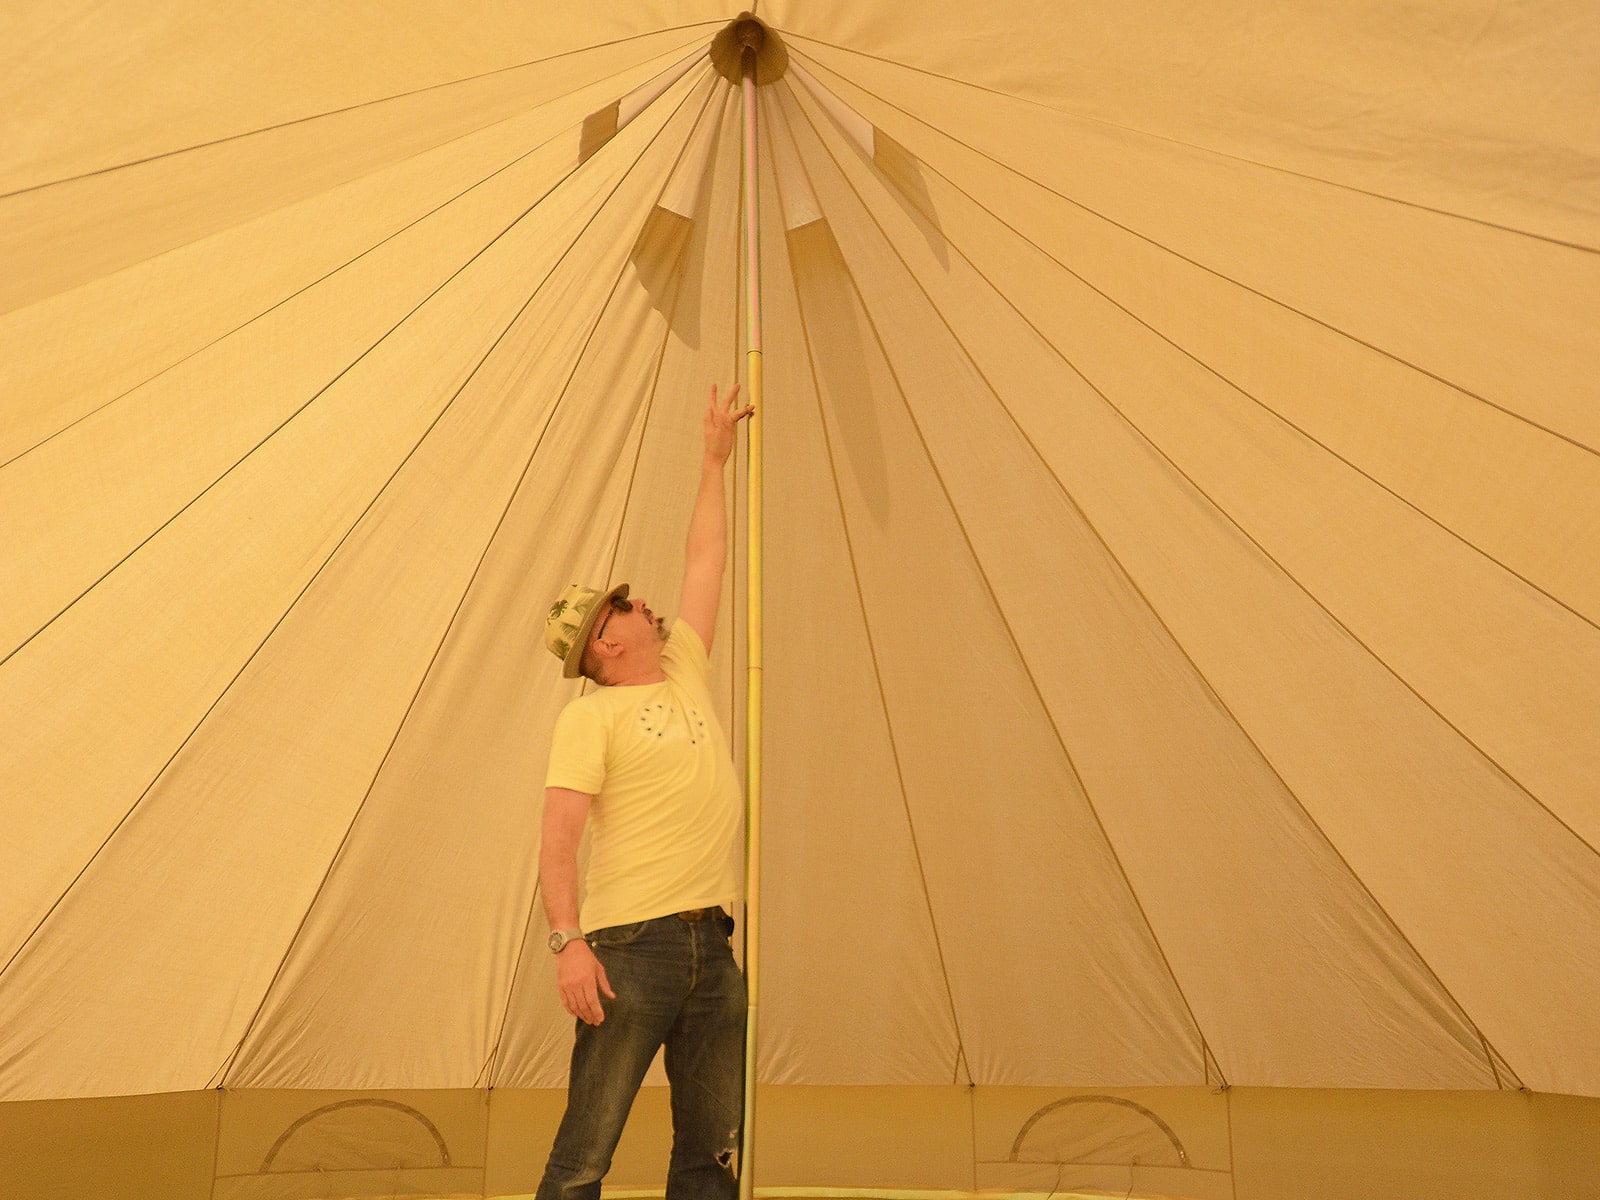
[693,914]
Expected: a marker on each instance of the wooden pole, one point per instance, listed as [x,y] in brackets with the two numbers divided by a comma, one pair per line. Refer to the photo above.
[751,35]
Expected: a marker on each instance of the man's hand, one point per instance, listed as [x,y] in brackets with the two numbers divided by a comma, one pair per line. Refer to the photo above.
[581,979]
[720,421]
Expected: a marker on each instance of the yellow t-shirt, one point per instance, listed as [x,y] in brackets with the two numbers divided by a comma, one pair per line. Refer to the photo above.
[664,825]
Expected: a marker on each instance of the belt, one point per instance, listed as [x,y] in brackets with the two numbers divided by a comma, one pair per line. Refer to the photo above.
[699,914]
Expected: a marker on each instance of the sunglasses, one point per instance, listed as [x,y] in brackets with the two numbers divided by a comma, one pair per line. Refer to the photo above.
[618,604]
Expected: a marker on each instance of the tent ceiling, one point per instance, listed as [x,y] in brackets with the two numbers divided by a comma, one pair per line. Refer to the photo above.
[1183,532]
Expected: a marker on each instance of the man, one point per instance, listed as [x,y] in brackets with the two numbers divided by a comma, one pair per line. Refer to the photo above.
[647,962]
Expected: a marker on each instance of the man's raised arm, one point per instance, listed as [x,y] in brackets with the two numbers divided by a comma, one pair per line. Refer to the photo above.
[706,553]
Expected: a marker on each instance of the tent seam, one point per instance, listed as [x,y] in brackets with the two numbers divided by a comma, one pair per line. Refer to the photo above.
[1239,388]
[1198,265]
[1218,507]
[296,413]
[1149,605]
[647,410]
[440,207]
[1239,158]
[115,829]
[488,545]
[309,583]
[877,675]
[1021,659]
[333,112]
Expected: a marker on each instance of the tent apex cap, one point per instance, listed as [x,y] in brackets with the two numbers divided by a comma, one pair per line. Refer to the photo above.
[748,31]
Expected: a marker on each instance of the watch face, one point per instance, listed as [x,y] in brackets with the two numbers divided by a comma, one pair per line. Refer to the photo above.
[557,940]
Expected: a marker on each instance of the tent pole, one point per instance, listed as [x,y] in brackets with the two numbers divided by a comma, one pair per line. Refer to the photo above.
[750,34]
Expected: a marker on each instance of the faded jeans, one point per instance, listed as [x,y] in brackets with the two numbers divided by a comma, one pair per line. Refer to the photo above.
[676,984]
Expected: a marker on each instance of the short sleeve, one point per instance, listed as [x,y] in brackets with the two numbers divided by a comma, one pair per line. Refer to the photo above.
[685,653]
[578,750]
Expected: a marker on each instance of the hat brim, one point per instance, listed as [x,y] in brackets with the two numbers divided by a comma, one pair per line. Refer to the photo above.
[572,664]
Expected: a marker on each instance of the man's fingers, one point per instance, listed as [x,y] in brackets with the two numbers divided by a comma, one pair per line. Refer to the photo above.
[592,1012]
[584,1004]
[581,981]
[732,396]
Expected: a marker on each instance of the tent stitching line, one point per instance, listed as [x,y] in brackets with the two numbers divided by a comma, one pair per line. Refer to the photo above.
[1127,575]
[1501,770]
[492,1062]
[1160,137]
[486,1072]
[1292,426]
[1262,404]
[994,599]
[894,750]
[485,1075]
[115,829]
[440,207]
[427,672]
[488,1124]
[276,625]
[284,616]
[877,675]
[296,413]
[333,112]
[1488,1052]
[374,170]
[1209,270]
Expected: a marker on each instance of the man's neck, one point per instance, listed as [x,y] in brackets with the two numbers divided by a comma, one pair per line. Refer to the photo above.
[624,676]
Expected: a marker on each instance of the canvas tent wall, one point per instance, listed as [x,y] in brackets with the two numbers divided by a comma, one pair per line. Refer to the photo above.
[1183,579]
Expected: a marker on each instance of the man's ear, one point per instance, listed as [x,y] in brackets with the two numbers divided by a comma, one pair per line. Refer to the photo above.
[599,652]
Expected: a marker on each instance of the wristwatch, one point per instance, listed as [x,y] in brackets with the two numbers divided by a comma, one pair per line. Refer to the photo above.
[560,937]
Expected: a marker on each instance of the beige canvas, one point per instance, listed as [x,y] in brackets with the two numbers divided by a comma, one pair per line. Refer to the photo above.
[1181,588]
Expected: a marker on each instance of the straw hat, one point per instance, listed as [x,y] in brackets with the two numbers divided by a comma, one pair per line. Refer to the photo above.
[571,620]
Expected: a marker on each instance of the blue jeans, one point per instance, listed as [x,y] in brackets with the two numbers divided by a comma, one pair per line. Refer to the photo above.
[676,984]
